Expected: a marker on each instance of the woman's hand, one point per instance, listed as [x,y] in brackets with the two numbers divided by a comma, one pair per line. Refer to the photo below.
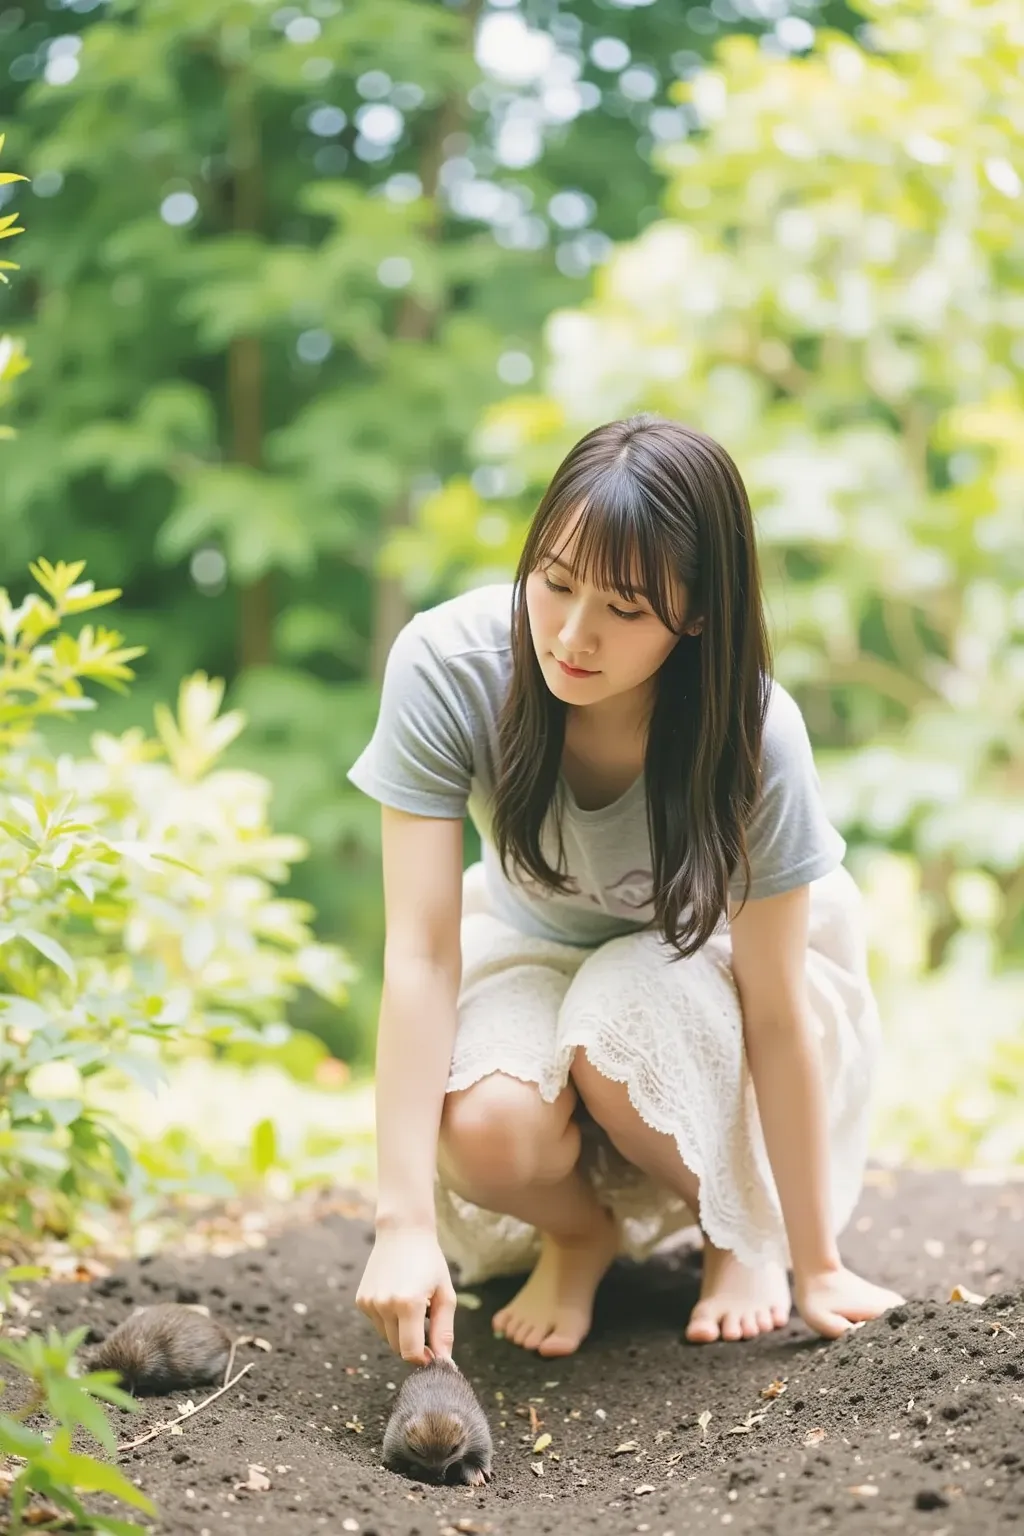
[405,1273]
[829,1301]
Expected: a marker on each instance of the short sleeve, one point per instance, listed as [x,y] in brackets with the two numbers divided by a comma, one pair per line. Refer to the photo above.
[420,757]
[790,840]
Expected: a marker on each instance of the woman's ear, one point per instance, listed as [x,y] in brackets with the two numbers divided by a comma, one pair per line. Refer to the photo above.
[694,628]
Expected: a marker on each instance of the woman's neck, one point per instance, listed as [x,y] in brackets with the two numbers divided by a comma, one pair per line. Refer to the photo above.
[619,721]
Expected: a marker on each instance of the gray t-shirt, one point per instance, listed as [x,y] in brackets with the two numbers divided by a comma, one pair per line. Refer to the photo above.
[434,753]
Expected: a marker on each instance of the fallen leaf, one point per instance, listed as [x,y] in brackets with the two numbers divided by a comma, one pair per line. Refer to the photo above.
[541,1444]
[750,1422]
[186,1408]
[535,1420]
[863,1490]
[645,1488]
[258,1481]
[814,1437]
[537,1468]
[961,1293]
[355,1426]
[469,1300]
[90,1269]
[773,1389]
[627,1445]
[1002,1328]
[704,1421]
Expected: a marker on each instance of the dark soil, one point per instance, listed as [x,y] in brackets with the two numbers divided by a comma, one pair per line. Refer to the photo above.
[914,1422]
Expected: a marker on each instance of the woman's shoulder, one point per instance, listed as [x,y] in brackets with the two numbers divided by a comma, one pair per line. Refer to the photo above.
[785,731]
[459,651]
[476,623]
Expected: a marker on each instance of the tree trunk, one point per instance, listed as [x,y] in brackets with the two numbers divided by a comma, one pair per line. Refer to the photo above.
[245,363]
[415,323]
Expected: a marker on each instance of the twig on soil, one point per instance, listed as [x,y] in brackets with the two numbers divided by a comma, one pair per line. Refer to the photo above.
[129,1445]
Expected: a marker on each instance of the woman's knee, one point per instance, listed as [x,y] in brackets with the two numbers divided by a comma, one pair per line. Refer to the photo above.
[501,1132]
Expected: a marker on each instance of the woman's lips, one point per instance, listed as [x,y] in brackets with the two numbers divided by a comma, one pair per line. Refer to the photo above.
[574,671]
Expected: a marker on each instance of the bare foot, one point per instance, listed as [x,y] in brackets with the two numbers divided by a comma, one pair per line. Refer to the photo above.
[737,1302]
[553,1311]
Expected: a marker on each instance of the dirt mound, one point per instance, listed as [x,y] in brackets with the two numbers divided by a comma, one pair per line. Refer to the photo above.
[914,1422]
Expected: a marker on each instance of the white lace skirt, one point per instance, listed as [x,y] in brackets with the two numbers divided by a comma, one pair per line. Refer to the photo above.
[673,1033]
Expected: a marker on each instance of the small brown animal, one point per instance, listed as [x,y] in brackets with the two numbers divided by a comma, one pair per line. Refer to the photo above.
[163,1348]
[437,1431]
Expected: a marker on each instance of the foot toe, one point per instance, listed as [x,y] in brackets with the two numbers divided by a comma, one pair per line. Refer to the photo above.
[780,1315]
[765,1322]
[703,1327]
[732,1328]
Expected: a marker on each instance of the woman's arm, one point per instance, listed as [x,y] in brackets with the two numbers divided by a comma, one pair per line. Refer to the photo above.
[769,955]
[769,950]
[422,859]
[406,1272]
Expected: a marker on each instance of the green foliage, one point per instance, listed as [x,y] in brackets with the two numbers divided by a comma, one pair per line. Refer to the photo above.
[226,415]
[12,353]
[50,1476]
[138,918]
[834,291]
[138,910]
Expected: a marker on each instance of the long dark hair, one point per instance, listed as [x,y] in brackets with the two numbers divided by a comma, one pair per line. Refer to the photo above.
[665,501]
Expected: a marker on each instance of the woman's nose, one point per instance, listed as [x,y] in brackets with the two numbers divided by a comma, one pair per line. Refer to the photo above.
[577,632]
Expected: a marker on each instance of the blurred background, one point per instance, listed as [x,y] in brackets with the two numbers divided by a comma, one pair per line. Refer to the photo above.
[317,295]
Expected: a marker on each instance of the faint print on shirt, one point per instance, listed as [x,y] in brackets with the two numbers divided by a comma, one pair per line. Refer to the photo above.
[628,895]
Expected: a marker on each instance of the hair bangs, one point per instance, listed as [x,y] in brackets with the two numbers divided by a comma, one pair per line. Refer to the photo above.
[618,542]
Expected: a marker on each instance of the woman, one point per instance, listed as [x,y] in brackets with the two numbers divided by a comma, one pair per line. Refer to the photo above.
[648,1005]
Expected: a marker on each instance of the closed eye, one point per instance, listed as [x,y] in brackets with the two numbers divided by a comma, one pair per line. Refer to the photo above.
[553,586]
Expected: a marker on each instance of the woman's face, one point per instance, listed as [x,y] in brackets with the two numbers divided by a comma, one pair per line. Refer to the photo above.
[592,644]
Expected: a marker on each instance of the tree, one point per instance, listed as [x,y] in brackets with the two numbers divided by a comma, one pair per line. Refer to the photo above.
[12,353]
[280,261]
[834,291]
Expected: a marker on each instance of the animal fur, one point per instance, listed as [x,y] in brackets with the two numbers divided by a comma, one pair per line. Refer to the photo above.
[437,1430]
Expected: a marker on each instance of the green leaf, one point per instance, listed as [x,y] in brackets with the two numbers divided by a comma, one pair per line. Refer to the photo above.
[116,1527]
[264,1146]
[73,1406]
[54,952]
[16,1440]
[24,1272]
[94,1477]
[20,836]
[105,1384]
